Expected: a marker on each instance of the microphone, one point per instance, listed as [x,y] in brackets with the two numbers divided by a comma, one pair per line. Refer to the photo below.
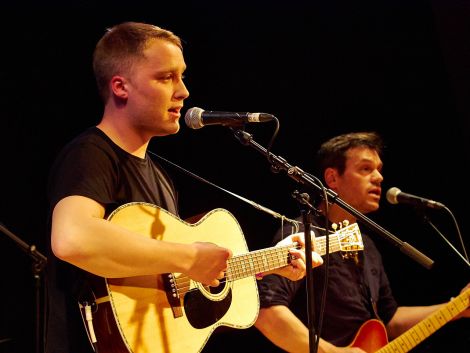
[395,196]
[196,118]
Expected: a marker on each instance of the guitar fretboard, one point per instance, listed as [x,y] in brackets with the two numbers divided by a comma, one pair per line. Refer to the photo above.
[249,264]
[428,326]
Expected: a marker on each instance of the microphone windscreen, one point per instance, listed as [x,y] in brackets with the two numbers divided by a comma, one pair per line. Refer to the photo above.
[392,194]
[193,118]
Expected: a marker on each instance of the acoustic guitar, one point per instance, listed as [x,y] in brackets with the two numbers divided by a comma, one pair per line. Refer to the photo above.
[171,313]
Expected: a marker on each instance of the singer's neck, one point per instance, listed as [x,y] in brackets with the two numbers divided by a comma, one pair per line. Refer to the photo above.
[337,214]
[124,136]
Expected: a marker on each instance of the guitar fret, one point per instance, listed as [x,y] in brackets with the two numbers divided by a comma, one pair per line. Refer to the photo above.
[386,349]
[418,334]
[264,261]
[415,337]
[403,346]
[252,265]
[423,332]
[441,318]
[407,342]
[320,243]
[433,324]
[280,258]
[391,349]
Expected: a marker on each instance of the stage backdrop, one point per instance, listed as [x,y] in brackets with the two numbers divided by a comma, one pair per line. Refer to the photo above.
[321,67]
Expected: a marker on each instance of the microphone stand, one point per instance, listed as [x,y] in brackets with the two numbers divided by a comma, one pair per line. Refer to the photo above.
[39,262]
[448,242]
[306,209]
[279,163]
[426,219]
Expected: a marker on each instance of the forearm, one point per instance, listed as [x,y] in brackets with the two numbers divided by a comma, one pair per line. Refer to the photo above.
[283,328]
[83,238]
[109,250]
[286,331]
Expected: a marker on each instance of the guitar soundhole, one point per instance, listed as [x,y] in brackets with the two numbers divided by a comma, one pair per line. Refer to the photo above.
[201,311]
[216,290]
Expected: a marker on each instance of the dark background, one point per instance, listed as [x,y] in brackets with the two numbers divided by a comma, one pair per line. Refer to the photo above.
[321,67]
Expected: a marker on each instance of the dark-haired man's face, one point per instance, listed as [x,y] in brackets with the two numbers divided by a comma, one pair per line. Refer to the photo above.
[360,184]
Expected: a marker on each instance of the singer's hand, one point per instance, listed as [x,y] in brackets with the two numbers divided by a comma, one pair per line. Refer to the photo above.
[297,268]
[209,264]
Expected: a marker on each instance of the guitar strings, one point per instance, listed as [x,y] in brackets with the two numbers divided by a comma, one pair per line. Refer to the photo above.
[260,261]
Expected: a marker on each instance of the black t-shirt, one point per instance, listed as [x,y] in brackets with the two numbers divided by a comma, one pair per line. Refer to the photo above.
[93,166]
[353,292]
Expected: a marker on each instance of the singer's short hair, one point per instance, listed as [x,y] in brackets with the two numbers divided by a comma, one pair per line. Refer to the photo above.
[332,153]
[121,46]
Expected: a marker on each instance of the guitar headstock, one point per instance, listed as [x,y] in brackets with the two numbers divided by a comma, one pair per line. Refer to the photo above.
[349,239]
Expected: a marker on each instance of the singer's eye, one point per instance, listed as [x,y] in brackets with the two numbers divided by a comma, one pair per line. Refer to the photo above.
[164,76]
[171,77]
[365,169]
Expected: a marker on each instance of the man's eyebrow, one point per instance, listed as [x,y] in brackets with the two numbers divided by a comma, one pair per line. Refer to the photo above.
[366,159]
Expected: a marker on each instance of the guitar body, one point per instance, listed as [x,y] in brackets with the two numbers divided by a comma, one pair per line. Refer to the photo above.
[140,314]
[371,336]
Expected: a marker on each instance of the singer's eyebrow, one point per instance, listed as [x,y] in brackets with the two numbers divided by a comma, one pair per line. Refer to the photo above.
[369,161]
[170,70]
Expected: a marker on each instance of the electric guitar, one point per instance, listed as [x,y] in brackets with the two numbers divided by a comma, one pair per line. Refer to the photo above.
[171,313]
[372,335]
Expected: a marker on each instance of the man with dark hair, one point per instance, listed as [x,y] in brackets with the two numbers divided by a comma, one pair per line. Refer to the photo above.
[358,288]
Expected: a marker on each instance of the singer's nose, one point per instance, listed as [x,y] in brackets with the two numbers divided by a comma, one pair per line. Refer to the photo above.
[182,91]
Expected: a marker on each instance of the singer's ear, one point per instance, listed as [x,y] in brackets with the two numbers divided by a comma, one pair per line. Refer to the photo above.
[118,86]
[331,176]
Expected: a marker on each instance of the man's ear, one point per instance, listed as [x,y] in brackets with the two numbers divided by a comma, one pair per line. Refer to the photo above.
[118,87]
[331,176]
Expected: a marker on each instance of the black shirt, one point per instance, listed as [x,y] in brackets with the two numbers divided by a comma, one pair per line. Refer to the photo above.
[93,166]
[353,292]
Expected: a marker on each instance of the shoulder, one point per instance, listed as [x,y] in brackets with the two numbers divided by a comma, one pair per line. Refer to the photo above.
[90,138]
[90,143]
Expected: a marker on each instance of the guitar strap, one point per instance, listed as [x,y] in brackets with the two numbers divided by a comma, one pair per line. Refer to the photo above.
[252,203]
[295,223]
[372,287]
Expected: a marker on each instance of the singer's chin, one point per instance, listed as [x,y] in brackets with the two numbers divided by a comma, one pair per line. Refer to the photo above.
[371,206]
[374,207]
[177,127]
[175,124]
[169,129]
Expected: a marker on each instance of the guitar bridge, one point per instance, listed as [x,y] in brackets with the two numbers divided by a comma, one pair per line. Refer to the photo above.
[172,294]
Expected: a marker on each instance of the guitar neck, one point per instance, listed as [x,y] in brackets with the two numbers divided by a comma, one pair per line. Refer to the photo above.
[268,259]
[428,326]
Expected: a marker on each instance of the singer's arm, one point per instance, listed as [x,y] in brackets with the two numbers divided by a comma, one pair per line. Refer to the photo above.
[286,331]
[119,252]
